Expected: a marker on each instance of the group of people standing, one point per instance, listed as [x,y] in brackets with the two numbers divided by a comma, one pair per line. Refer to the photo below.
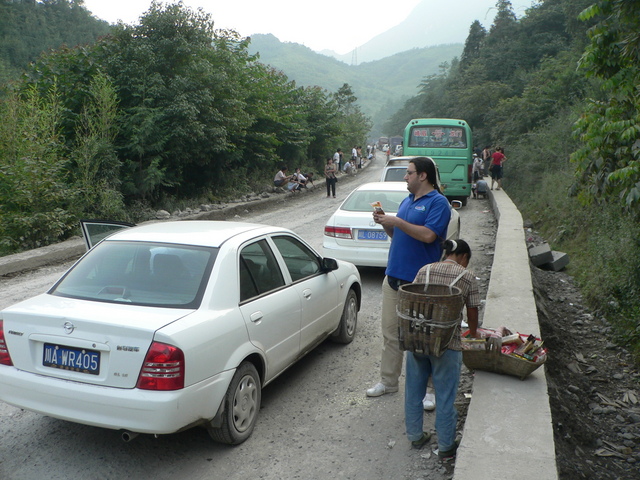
[493,162]
[487,161]
[418,232]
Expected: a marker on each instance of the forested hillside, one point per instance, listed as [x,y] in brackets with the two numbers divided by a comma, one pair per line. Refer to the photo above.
[558,90]
[381,86]
[27,28]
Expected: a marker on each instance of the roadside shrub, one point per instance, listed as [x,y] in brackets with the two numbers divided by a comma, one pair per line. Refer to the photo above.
[34,194]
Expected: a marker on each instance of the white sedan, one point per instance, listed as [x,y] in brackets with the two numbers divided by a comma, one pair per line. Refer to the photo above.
[352,235]
[170,325]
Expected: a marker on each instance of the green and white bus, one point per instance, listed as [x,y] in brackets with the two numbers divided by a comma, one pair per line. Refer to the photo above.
[449,142]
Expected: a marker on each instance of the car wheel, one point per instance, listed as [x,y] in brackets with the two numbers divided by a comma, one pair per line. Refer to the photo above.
[241,406]
[464,201]
[347,329]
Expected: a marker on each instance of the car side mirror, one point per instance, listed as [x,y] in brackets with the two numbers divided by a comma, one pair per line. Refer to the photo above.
[329,264]
[456,204]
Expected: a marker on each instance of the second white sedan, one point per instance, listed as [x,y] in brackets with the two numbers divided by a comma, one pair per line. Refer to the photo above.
[352,235]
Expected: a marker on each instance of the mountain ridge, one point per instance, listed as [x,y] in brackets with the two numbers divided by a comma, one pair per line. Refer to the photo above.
[429,24]
[397,77]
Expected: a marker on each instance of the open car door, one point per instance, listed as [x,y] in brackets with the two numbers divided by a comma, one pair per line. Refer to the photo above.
[95,231]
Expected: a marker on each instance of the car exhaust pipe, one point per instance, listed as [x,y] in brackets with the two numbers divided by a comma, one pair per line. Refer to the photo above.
[128,436]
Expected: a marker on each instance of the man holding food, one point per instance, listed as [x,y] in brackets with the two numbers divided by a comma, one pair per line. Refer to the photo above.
[416,233]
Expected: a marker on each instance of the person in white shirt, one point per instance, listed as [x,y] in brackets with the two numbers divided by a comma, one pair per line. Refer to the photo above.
[337,158]
[476,169]
[300,178]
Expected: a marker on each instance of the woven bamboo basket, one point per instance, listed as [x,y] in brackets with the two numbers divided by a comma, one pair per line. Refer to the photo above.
[428,317]
[497,362]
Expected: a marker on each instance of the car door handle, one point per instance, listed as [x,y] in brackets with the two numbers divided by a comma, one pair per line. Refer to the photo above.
[256,317]
[306,293]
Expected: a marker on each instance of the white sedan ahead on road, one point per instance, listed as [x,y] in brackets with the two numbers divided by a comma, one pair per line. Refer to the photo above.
[170,325]
[352,235]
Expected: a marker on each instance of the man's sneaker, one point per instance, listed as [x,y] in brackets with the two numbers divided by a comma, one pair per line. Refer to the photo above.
[380,389]
[429,402]
[418,444]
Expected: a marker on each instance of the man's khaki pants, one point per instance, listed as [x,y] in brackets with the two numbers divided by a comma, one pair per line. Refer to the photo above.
[392,356]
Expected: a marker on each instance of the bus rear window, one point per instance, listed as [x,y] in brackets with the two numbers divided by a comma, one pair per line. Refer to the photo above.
[437,137]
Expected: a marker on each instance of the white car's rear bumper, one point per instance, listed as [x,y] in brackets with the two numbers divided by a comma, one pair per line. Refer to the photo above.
[360,256]
[142,411]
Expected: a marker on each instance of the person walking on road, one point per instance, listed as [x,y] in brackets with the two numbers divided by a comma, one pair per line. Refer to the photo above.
[497,161]
[330,170]
[444,370]
[416,234]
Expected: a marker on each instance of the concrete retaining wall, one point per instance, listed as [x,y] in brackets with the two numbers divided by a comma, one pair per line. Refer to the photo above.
[508,429]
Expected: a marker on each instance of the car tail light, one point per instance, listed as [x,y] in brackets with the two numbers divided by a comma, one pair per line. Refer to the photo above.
[338,232]
[5,358]
[469,173]
[163,368]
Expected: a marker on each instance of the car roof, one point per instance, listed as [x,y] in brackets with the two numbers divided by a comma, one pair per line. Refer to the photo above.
[383,187]
[192,232]
[399,160]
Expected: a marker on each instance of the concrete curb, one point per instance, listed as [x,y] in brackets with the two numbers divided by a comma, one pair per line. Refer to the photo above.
[508,431]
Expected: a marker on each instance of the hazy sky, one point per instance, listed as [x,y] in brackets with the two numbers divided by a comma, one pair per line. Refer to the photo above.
[338,25]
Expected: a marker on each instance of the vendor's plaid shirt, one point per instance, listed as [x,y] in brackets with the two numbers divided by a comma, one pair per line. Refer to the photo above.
[443,273]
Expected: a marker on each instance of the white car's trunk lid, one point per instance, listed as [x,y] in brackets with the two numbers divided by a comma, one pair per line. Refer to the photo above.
[84,341]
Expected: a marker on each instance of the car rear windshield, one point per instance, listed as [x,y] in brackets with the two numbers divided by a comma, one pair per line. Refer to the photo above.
[136,273]
[395,174]
[361,201]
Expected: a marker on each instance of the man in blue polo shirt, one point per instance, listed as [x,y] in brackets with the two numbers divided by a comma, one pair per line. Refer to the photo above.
[417,233]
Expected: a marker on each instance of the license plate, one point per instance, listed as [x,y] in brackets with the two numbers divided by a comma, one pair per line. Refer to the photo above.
[69,358]
[372,235]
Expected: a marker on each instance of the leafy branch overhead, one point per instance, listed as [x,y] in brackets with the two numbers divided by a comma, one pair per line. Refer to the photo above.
[608,161]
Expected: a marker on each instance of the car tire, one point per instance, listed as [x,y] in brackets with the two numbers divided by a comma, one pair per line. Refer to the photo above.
[241,407]
[346,331]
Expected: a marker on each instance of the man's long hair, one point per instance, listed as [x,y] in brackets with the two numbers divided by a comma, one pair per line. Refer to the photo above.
[428,166]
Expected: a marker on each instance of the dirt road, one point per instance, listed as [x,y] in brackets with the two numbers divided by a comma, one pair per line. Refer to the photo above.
[315,421]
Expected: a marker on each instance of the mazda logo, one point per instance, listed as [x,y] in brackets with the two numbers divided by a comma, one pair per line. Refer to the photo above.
[68,327]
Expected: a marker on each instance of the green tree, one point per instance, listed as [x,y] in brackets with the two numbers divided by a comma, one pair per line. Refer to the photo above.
[173,89]
[608,163]
[34,193]
[97,168]
[473,44]
[353,123]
